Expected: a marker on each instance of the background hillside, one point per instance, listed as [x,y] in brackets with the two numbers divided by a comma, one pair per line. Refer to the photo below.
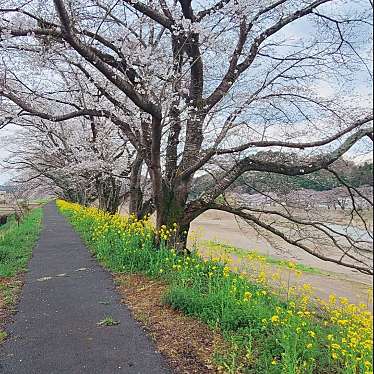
[356,175]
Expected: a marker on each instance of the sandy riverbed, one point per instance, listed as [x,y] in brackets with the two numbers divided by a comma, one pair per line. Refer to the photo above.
[224,228]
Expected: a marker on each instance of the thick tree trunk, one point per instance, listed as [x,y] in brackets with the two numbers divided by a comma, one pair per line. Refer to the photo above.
[173,211]
[109,192]
[136,194]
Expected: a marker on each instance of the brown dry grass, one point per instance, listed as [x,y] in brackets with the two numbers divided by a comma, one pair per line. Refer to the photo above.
[3,284]
[10,289]
[187,344]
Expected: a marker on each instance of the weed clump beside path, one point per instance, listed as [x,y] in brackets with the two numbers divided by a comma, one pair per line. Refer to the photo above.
[264,333]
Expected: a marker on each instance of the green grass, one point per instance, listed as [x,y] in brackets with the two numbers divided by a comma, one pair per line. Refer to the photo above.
[263,332]
[3,335]
[108,321]
[17,242]
[10,221]
[243,253]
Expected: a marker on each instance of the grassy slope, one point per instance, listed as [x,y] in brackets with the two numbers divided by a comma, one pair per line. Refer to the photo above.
[243,253]
[16,244]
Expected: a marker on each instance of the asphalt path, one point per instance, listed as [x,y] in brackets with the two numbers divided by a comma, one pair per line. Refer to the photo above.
[65,297]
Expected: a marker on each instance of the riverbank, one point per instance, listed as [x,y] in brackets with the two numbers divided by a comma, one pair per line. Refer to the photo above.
[16,244]
[224,228]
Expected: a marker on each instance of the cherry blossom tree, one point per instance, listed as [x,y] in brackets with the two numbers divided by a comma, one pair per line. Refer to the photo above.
[82,161]
[198,86]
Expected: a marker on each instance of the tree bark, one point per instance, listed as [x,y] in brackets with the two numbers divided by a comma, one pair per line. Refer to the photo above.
[109,191]
[136,194]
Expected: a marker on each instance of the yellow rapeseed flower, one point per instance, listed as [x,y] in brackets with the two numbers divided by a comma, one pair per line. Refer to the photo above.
[275,319]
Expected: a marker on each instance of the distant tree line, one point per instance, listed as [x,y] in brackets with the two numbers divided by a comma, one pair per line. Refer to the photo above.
[323,180]
[6,188]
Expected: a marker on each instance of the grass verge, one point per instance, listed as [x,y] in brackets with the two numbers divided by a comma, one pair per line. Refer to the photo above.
[215,249]
[263,333]
[16,244]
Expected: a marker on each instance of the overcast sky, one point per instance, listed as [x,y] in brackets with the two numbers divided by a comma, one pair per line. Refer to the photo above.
[4,174]
[361,85]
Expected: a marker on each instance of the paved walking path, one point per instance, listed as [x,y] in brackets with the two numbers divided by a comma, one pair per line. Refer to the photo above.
[65,295]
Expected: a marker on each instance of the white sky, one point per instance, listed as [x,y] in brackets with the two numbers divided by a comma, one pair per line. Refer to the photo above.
[4,174]
[363,86]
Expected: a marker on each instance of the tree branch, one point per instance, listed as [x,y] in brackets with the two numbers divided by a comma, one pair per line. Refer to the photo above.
[295,242]
[258,163]
[264,144]
[236,70]
[91,56]
[151,13]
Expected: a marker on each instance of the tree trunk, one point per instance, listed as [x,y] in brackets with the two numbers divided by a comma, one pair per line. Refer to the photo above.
[173,211]
[109,192]
[75,196]
[136,194]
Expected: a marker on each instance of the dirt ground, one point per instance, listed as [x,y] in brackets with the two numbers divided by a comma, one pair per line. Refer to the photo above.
[187,344]
[10,289]
[223,227]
